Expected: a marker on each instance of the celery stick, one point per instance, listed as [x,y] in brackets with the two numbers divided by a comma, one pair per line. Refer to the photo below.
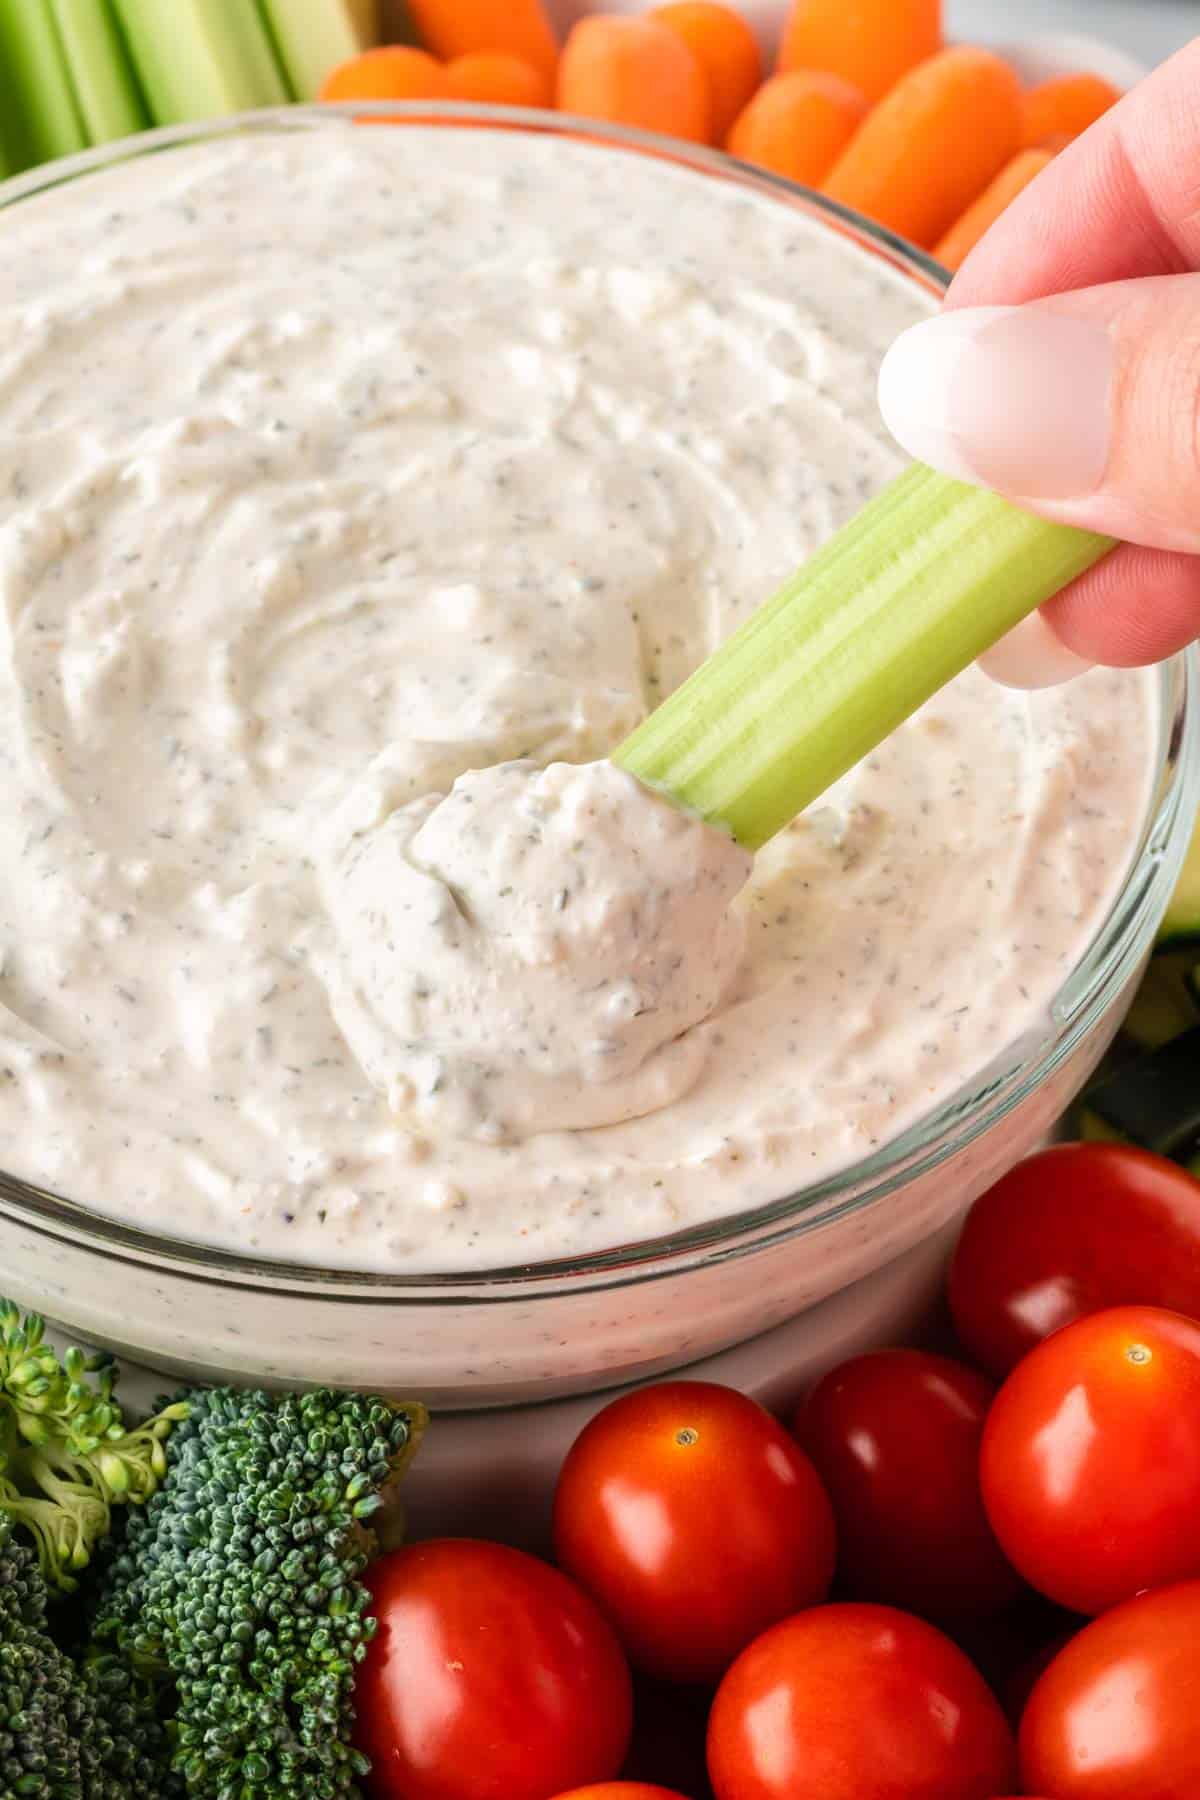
[902,599]
[44,121]
[106,90]
[10,161]
[201,59]
[313,37]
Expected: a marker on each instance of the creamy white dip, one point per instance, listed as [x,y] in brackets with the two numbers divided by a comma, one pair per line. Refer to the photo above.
[336,466]
[531,952]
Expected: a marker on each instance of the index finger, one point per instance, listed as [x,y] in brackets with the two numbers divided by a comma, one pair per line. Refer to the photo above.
[1121,202]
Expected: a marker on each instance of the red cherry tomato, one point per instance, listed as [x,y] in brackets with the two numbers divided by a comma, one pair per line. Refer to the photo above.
[895,1438]
[857,1703]
[1116,1716]
[1091,1458]
[1071,1231]
[491,1677]
[695,1521]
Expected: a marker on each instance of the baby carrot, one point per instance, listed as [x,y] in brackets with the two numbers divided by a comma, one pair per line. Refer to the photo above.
[869,43]
[982,213]
[798,125]
[726,48]
[391,72]
[1064,107]
[497,79]
[453,28]
[634,72]
[928,149]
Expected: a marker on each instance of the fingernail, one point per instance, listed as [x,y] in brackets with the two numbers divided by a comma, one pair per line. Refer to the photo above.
[1009,397]
[1032,656]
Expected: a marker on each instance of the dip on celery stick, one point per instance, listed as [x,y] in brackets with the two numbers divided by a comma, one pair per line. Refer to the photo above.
[336,468]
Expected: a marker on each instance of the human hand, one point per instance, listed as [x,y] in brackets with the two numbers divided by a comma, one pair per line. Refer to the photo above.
[1064,371]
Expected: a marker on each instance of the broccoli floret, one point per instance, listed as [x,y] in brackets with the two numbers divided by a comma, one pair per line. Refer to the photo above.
[40,1702]
[235,1589]
[67,1731]
[66,1458]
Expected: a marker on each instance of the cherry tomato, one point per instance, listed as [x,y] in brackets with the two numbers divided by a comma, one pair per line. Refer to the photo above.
[1068,1232]
[1091,1458]
[857,1702]
[1116,1716]
[491,1677]
[895,1438]
[695,1521]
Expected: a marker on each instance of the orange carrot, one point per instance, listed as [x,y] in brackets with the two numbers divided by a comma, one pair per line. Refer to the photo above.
[869,43]
[926,151]
[982,213]
[392,72]
[1064,107]
[453,28]
[725,47]
[494,78]
[798,125]
[635,72]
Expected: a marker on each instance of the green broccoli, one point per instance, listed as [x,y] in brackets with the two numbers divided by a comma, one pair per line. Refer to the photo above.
[66,1458]
[234,1591]
[68,1731]
[210,1651]
[40,1703]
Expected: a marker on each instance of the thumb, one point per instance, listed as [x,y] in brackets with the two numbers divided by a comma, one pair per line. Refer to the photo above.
[1085,406]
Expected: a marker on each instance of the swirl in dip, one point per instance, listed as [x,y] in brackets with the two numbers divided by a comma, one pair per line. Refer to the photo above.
[359,491]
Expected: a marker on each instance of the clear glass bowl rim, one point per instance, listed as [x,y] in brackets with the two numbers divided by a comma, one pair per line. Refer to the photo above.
[1111,961]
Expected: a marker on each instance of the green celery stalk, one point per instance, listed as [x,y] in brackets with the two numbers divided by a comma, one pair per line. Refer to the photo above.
[14,153]
[43,120]
[201,59]
[314,36]
[106,89]
[8,160]
[907,595]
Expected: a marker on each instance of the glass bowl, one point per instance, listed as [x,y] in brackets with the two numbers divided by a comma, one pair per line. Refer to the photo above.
[504,1335]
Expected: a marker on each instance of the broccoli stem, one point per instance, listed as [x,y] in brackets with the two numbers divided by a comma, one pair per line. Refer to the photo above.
[66,1457]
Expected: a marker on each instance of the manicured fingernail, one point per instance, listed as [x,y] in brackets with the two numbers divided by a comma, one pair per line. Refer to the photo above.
[1032,656]
[1009,397]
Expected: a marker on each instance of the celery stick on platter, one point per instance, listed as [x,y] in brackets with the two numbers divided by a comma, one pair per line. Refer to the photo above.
[106,90]
[202,59]
[42,119]
[314,36]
